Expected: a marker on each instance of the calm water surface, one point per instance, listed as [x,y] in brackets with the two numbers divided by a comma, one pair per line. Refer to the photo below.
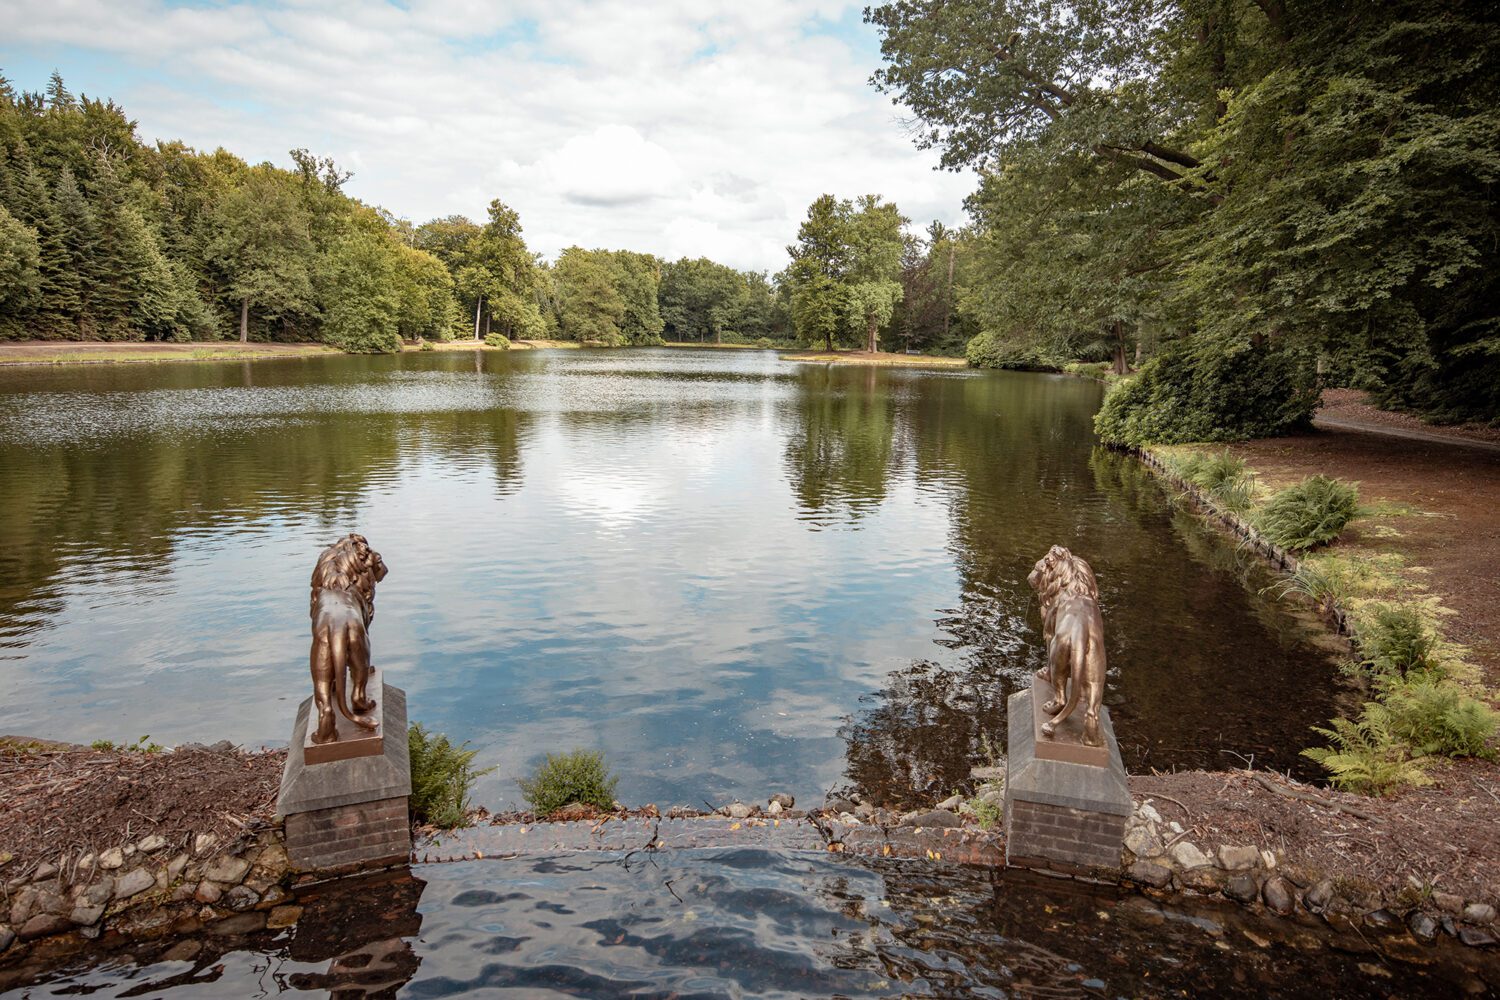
[691,925]
[734,574]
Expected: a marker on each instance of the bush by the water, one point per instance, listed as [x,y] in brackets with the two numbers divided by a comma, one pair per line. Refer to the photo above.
[579,776]
[1365,756]
[441,777]
[1222,476]
[499,340]
[1089,369]
[1313,512]
[1210,393]
[989,350]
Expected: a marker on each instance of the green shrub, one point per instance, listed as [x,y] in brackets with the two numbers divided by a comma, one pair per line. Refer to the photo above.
[1207,392]
[1309,514]
[1395,641]
[441,776]
[1434,716]
[989,350]
[426,345]
[1222,476]
[988,814]
[1089,369]
[1365,756]
[765,343]
[580,776]
[499,340]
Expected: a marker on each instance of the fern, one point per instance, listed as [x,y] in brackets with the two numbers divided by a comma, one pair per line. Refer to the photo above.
[1396,641]
[1309,514]
[1433,716]
[441,776]
[1365,756]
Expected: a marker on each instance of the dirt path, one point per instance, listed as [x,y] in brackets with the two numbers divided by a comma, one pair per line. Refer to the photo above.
[58,352]
[1456,535]
[1350,410]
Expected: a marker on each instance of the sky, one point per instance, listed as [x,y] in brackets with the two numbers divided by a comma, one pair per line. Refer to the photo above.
[679,127]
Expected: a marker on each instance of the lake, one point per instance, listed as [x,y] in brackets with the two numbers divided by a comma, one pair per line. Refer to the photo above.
[734,574]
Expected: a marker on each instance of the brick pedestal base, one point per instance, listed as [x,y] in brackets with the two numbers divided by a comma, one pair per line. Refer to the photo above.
[349,814]
[1062,815]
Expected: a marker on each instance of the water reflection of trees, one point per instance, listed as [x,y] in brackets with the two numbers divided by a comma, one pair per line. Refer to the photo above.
[923,732]
[840,450]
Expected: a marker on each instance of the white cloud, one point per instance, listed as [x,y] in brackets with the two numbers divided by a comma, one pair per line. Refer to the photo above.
[679,128]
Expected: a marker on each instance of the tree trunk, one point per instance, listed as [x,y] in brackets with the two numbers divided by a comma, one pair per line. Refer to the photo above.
[1122,366]
[478,306]
[244,321]
[870,327]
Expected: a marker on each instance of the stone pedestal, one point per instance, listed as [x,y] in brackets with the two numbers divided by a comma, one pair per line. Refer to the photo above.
[1061,814]
[351,813]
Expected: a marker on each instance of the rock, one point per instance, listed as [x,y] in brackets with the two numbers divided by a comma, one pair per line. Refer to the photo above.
[128,850]
[43,872]
[183,951]
[86,863]
[865,811]
[951,803]
[208,892]
[1185,854]
[1382,920]
[155,842]
[1238,859]
[837,806]
[932,817]
[100,892]
[1148,811]
[184,892]
[191,746]
[283,916]
[86,916]
[1474,937]
[986,774]
[274,896]
[849,819]
[1149,873]
[1174,826]
[1143,842]
[1422,926]
[43,925]
[1268,860]
[241,898]
[1205,879]
[230,869]
[112,858]
[23,905]
[1479,913]
[1242,888]
[223,746]
[1279,897]
[7,937]
[204,842]
[132,882]
[739,810]
[774,809]
[240,923]
[993,795]
[176,866]
[784,800]
[1448,902]
[1319,896]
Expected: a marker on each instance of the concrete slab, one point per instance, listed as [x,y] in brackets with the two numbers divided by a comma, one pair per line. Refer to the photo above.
[1061,783]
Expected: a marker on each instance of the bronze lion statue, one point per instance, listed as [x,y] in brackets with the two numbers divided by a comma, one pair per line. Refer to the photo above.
[342,607]
[1073,630]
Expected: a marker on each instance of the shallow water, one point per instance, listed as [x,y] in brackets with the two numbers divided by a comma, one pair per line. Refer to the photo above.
[746,923]
[733,573]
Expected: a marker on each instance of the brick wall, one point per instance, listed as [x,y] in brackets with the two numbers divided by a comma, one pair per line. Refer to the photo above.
[364,834]
[1043,835]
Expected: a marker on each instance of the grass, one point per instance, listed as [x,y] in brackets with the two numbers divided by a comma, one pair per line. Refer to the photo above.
[563,779]
[441,777]
[1222,476]
[988,814]
[890,360]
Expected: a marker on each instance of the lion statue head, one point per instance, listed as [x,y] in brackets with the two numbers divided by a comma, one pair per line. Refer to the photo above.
[349,564]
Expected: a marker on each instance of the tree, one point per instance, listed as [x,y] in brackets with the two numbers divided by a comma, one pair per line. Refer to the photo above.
[357,287]
[589,306]
[20,270]
[259,242]
[844,269]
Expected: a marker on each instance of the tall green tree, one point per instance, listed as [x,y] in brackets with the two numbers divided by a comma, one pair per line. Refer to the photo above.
[20,271]
[258,240]
[844,269]
[589,306]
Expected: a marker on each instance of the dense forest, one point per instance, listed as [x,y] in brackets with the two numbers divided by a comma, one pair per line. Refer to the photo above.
[1255,197]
